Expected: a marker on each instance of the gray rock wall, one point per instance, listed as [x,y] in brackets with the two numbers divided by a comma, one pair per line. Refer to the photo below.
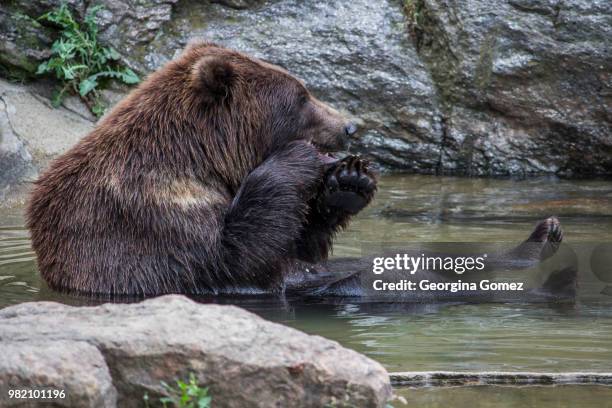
[32,133]
[525,84]
[473,87]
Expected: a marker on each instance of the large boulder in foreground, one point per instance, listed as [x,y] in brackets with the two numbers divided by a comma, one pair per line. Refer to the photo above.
[76,368]
[244,360]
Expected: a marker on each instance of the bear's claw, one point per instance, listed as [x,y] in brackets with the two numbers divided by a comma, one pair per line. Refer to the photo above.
[349,184]
[351,174]
[548,230]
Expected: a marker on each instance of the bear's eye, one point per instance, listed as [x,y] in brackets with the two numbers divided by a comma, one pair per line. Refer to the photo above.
[302,99]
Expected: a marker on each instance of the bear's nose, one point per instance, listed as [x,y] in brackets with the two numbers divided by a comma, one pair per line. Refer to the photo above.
[350,129]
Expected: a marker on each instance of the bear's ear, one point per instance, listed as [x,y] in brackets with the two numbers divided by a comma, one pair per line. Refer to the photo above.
[212,77]
[198,43]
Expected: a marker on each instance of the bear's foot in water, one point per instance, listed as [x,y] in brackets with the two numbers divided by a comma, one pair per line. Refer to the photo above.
[543,242]
[548,230]
[352,277]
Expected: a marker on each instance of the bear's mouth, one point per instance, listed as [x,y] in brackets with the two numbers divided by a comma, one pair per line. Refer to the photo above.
[325,156]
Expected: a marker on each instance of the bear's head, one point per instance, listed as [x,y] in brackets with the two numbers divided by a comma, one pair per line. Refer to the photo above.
[256,107]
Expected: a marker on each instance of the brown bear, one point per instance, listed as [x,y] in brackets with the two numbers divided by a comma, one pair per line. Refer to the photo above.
[210,177]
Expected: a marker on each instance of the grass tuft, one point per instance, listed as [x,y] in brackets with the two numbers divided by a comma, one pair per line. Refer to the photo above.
[184,395]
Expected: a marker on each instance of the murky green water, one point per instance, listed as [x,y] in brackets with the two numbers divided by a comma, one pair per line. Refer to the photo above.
[540,337]
[566,396]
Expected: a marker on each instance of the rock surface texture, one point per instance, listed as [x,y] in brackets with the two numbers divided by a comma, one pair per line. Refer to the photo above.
[111,355]
[76,368]
[126,25]
[472,87]
[525,85]
[32,132]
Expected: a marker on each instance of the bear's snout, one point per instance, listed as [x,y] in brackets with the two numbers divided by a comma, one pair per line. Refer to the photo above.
[331,130]
[350,129]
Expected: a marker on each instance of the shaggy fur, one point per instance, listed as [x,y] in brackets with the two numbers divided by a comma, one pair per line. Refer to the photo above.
[207,178]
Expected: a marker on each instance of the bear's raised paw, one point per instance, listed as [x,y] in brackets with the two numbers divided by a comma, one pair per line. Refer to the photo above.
[349,184]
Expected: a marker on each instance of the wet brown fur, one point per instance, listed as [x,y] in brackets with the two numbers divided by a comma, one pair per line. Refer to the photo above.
[199,181]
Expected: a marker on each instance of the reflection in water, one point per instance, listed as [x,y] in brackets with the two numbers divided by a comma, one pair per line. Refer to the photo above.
[472,337]
[410,337]
[446,209]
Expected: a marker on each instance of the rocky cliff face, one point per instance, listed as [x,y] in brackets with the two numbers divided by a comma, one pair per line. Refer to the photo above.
[473,87]
[126,25]
[524,85]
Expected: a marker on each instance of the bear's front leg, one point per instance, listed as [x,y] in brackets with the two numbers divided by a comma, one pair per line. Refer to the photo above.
[266,217]
[347,188]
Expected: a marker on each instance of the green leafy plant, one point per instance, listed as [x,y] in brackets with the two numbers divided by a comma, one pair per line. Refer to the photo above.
[415,13]
[412,9]
[184,395]
[79,61]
